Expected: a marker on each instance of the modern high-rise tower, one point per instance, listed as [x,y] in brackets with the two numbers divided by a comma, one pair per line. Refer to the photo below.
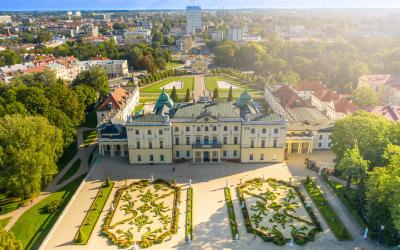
[193,20]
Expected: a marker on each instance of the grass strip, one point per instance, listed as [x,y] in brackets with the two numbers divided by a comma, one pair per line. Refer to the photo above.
[70,172]
[89,136]
[89,222]
[189,214]
[231,213]
[34,225]
[331,218]
[4,222]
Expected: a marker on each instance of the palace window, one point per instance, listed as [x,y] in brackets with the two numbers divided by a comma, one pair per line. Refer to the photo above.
[137,131]
[262,157]
[150,145]
[275,143]
[177,154]
[188,153]
[225,128]
[197,139]
[139,158]
[235,153]
[263,143]
[215,128]
[252,143]
[224,153]
[187,140]
[225,140]
[176,129]
[151,158]
[276,131]
[236,128]
[319,144]
[215,140]
[320,137]
[253,130]
[176,140]
[187,129]
[206,140]
[235,140]
[149,132]
[198,128]
[251,157]
[160,132]
[264,130]
[161,157]
[206,128]
[138,144]
[161,144]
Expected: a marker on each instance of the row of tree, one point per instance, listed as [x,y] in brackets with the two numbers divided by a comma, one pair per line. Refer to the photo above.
[367,149]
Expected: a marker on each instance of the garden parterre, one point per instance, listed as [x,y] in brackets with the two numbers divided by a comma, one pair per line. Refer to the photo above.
[275,211]
[144,213]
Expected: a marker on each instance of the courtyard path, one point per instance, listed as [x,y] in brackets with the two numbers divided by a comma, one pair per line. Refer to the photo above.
[199,86]
[83,153]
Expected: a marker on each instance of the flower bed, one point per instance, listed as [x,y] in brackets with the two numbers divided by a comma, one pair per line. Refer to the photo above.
[88,223]
[145,213]
[331,218]
[231,213]
[276,212]
[189,214]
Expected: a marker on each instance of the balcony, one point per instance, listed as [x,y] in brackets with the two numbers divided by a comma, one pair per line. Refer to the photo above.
[206,145]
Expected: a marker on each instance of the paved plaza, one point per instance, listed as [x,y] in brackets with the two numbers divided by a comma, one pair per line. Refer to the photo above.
[210,218]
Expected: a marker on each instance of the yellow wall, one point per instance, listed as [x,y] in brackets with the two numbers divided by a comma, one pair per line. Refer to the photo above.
[270,154]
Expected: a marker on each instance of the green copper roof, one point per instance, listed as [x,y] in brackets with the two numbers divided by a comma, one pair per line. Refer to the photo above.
[243,99]
[163,100]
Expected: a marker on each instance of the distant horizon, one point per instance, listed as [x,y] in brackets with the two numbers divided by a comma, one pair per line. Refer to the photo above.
[135,5]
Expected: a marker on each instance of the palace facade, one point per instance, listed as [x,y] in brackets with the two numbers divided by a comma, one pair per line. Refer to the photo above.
[197,132]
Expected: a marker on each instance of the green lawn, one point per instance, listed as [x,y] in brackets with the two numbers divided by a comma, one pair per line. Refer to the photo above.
[138,108]
[67,155]
[5,221]
[93,214]
[211,84]
[188,83]
[33,226]
[9,204]
[335,224]
[90,119]
[89,137]
[70,172]
[174,65]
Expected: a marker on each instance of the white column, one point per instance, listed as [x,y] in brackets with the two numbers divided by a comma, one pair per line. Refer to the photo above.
[202,156]
[112,150]
[219,155]
[194,156]
[211,155]
[122,149]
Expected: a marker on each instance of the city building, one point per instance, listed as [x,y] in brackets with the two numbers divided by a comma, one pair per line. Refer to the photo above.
[138,36]
[118,106]
[235,34]
[5,19]
[198,132]
[217,36]
[385,86]
[193,20]
[185,43]
[392,113]
[114,68]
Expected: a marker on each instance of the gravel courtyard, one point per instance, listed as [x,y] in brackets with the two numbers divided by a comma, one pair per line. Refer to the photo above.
[210,219]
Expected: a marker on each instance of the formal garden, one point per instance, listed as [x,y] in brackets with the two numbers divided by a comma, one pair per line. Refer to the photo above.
[277,212]
[150,93]
[143,213]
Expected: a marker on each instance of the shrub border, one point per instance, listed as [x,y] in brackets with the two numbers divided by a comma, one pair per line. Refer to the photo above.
[117,198]
[98,216]
[189,214]
[231,213]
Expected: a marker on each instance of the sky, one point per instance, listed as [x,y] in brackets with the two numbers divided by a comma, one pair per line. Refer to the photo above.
[15,5]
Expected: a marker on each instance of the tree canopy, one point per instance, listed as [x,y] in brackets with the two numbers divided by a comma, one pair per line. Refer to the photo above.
[95,78]
[365,97]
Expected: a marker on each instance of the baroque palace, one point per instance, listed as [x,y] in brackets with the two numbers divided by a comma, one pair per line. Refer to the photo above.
[200,132]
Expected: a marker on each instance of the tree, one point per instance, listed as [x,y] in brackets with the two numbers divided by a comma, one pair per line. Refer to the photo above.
[187,96]
[365,130]
[29,149]
[352,166]
[86,94]
[9,57]
[95,78]
[215,94]
[8,240]
[365,97]
[230,95]
[174,95]
[225,54]
[249,54]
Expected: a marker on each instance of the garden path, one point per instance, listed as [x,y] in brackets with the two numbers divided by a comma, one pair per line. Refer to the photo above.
[199,86]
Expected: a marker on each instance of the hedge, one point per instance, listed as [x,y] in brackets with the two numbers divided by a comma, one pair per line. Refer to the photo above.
[231,213]
[189,214]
